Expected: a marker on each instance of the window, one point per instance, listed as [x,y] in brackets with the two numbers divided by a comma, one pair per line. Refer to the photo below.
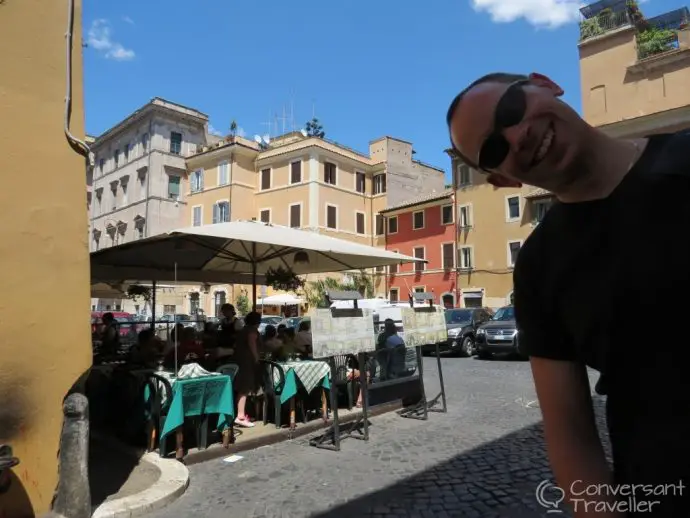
[379,225]
[448,255]
[419,289]
[196,216]
[265,216]
[466,257]
[194,303]
[265,179]
[296,172]
[419,254]
[329,173]
[223,173]
[101,165]
[513,251]
[394,295]
[464,175]
[512,208]
[175,143]
[539,210]
[221,212]
[126,153]
[116,155]
[331,216]
[464,216]
[360,223]
[145,141]
[360,182]
[393,225]
[197,181]
[219,299]
[447,215]
[173,187]
[418,220]
[380,183]
[124,192]
[393,268]
[296,215]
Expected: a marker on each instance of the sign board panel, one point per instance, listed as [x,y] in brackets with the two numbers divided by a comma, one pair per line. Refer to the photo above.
[424,326]
[342,331]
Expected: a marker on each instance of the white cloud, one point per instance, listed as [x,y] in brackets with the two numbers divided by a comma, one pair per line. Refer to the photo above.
[99,38]
[541,13]
[128,20]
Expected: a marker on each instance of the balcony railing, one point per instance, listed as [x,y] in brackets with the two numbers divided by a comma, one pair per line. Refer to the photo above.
[654,41]
[602,23]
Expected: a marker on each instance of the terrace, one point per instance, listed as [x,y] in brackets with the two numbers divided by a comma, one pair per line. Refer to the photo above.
[656,35]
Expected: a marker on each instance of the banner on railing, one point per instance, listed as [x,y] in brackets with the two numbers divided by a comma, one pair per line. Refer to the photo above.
[342,331]
[424,326]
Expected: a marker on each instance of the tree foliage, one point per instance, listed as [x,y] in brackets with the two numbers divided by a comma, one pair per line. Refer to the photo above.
[314,128]
[315,291]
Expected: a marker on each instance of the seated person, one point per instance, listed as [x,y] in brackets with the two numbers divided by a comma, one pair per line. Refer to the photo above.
[147,349]
[303,339]
[271,343]
[188,349]
[392,351]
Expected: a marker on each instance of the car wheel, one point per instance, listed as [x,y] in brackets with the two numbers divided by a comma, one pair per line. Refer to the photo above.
[467,347]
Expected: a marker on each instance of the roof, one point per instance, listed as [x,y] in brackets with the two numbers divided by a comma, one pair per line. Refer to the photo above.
[425,198]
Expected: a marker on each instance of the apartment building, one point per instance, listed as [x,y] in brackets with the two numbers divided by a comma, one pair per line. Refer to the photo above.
[635,70]
[134,188]
[303,182]
[492,224]
[424,227]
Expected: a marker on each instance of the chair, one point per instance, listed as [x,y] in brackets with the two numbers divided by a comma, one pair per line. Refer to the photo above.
[343,362]
[272,390]
[229,369]
[157,407]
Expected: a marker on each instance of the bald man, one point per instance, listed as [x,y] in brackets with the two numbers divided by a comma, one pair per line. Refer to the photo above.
[590,284]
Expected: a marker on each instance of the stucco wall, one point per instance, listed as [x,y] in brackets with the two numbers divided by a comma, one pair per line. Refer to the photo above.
[43,248]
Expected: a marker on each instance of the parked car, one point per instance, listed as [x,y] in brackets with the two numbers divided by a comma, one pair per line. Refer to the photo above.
[125,322]
[269,321]
[499,335]
[462,325]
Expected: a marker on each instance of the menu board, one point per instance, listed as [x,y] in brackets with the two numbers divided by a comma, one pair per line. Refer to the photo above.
[424,326]
[335,332]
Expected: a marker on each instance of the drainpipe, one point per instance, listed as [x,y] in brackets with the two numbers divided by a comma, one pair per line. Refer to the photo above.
[454,184]
[148,179]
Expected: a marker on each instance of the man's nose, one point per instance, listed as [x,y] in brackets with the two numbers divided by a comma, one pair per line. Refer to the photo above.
[518,136]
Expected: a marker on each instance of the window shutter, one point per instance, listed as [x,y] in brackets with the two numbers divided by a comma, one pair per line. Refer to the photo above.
[216,208]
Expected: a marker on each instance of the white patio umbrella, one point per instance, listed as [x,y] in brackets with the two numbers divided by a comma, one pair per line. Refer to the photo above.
[280,300]
[235,252]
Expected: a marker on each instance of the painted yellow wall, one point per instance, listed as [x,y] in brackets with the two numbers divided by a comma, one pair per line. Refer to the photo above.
[43,250]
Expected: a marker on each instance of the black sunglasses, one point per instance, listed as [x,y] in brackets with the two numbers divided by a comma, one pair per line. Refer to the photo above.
[510,111]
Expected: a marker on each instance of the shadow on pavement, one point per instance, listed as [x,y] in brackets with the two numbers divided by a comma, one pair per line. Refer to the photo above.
[109,470]
[496,479]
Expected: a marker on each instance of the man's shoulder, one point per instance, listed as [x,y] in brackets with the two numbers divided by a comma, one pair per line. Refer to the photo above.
[672,156]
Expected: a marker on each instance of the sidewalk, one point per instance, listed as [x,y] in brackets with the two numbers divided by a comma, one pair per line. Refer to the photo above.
[127,483]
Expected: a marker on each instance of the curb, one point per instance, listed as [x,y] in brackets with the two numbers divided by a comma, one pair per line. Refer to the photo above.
[283,435]
[170,485]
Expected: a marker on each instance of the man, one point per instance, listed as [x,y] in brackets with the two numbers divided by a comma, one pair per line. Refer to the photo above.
[589,283]
[229,326]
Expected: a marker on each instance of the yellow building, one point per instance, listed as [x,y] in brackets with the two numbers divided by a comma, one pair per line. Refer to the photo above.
[492,225]
[44,247]
[302,182]
[635,71]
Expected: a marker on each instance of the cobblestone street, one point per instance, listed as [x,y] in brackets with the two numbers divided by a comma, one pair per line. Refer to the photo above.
[484,458]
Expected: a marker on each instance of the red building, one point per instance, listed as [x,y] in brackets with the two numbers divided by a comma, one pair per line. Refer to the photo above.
[423,227]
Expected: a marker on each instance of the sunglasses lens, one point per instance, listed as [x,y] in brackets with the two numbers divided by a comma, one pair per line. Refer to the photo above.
[511,108]
[494,152]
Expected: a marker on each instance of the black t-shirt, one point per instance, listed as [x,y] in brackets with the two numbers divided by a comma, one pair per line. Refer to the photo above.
[606,283]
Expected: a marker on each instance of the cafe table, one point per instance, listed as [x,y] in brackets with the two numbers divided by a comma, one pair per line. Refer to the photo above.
[198,396]
[311,374]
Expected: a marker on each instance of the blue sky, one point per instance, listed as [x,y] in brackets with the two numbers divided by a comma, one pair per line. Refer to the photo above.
[366,68]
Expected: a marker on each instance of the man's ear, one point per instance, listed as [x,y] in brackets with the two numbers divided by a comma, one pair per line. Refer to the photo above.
[499,181]
[544,82]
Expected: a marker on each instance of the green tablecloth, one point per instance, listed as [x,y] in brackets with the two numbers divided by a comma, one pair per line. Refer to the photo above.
[199,396]
[311,374]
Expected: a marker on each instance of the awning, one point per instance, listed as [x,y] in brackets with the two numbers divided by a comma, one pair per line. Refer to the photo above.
[473,294]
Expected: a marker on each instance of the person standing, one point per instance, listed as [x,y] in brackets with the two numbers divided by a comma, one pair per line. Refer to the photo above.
[248,378]
[611,250]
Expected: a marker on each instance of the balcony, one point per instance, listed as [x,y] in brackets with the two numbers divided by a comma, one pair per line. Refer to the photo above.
[663,33]
[604,22]
[653,41]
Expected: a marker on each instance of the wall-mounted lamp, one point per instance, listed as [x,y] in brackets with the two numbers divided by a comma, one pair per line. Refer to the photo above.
[7,462]
[301,257]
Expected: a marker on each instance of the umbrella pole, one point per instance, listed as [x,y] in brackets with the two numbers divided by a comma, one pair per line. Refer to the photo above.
[175,324]
[254,277]
[153,306]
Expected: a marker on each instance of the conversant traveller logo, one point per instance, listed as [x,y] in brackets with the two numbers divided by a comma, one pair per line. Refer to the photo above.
[609,498]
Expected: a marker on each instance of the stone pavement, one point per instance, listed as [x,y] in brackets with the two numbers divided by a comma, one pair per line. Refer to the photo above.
[484,458]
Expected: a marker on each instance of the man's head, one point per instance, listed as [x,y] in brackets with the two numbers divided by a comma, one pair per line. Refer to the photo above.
[108,318]
[516,129]
[228,310]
